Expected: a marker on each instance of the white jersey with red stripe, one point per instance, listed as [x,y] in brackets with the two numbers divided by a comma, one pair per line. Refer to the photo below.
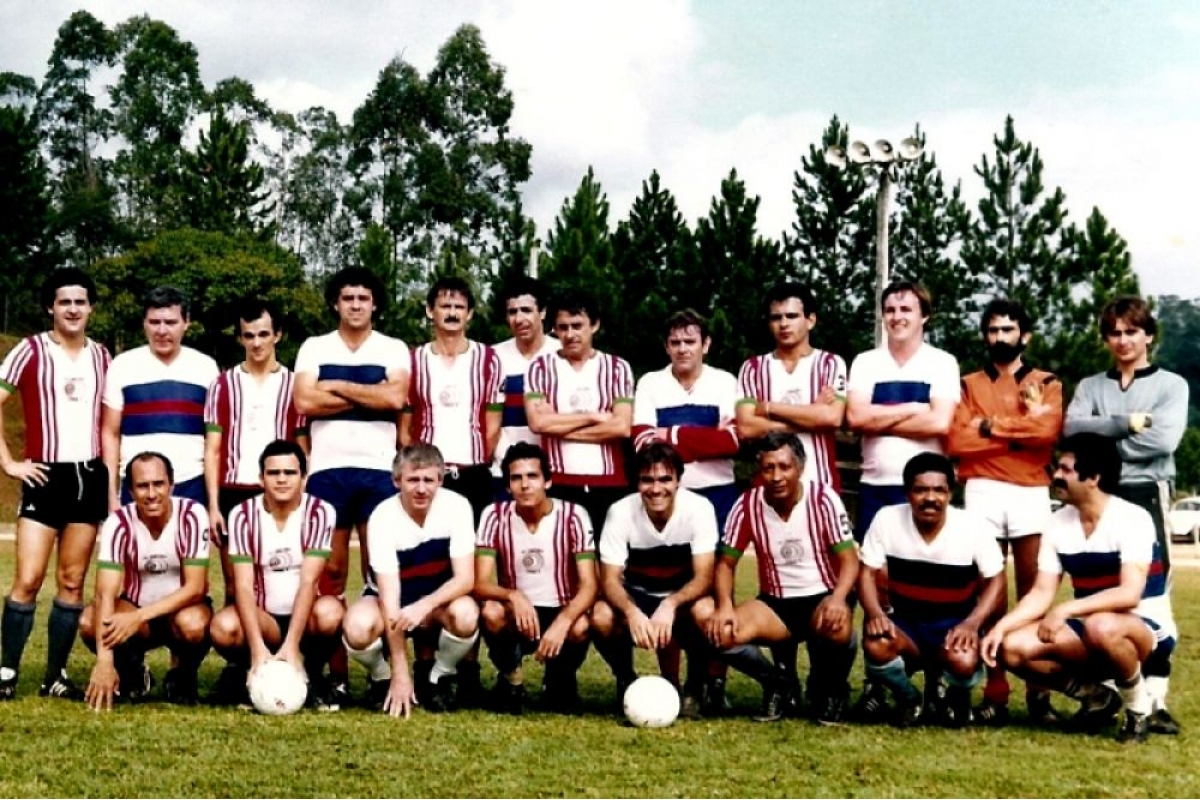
[450,401]
[153,566]
[797,557]
[277,555]
[60,395]
[765,379]
[514,426]
[540,564]
[599,384]
[661,401]
[250,414]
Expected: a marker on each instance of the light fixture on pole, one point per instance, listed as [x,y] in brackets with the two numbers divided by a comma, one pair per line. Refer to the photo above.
[882,156]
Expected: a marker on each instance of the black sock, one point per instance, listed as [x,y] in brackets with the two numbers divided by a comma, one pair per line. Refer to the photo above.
[14,632]
[617,652]
[61,628]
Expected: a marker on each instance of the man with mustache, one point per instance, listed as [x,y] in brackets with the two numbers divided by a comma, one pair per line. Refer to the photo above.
[1004,432]
[1144,410]
[944,580]
[1118,624]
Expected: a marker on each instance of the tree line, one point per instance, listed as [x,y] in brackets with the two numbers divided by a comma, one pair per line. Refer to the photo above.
[121,161]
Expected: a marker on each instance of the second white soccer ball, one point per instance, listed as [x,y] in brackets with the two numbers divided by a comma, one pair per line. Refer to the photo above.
[277,688]
[651,702]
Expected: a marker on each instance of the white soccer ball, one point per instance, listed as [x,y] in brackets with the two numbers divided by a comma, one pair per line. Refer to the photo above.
[277,687]
[651,702]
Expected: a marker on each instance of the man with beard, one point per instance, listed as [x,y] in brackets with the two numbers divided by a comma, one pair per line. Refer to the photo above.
[1004,432]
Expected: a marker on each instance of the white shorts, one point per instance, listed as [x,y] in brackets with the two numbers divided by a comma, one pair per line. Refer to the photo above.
[1014,511]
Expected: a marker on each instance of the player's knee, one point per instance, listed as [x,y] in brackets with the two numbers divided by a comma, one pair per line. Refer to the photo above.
[87,627]
[963,664]
[463,617]
[702,610]
[326,617]
[1100,631]
[1015,651]
[580,629]
[495,617]
[361,626]
[191,625]
[225,630]
[603,619]
[879,650]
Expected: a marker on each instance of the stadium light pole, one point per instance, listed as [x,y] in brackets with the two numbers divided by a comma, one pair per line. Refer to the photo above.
[883,157]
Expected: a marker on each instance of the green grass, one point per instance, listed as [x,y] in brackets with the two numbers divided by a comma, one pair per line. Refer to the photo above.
[55,748]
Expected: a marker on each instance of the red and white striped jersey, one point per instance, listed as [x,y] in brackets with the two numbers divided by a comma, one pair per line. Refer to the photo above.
[277,555]
[541,564]
[249,415]
[449,402]
[154,567]
[796,557]
[61,397]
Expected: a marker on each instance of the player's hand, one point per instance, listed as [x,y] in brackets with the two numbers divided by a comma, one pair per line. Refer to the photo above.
[1139,421]
[962,638]
[723,627]
[401,696]
[114,502]
[102,686]
[411,616]
[1050,625]
[553,639]
[119,628]
[827,395]
[662,624]
[292,656]
[989,647]
[525,616]
[216,527]
[641,630]
[30,473]
[832,615]
[880,627]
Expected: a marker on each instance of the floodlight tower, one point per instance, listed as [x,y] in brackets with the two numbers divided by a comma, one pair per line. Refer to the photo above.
[883,157]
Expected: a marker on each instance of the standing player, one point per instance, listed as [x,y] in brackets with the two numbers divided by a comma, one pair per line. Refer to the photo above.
[454,399]
[154,399]
[796,388]
[807,567]
[535,577]
[279,543]
[1004,432]
[902,401]
[656,562]
[1144,409]
[151,590]
[248,407]
[351,384]
[524,305]
[944,580]
[64,485]
[580,401]
[423,564]
[1118,625]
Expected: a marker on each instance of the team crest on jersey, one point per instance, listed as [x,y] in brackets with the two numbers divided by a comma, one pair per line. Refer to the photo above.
[450,396]
[156,564]
[73,388]
[533,561]
[791,551]
[580,399]
[793,398]
[281,560]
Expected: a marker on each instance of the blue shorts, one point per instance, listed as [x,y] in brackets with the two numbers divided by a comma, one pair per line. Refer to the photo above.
[352,491]
[1159,660]
[871,498]
[929,635]
[722,497]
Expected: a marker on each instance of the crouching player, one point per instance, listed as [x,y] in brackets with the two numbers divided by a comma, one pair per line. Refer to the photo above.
[935,557]
[422,559]
[656,561]
[535,575]
[278,545]
[807,566]
[1119,622]
[151,590]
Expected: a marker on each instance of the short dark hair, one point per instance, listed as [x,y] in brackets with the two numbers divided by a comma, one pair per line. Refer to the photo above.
[656,453]
[251,310]
[1130,309]
[166,297]
[928,461]
[355,276]
[687,318]
[524,450]
[576,301]
[1096,456]
[777,439]
[63,277]
[900,287]
[142,458]
[282,447]
[520,286]
[1003,307]
[786,290]
[450,284]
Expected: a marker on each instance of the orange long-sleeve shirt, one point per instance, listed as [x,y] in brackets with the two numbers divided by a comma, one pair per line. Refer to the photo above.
[1017,441]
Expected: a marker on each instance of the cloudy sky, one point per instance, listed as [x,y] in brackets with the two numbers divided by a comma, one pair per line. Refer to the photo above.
[1107,90]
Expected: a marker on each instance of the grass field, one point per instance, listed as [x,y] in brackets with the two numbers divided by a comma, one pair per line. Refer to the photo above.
[54,748]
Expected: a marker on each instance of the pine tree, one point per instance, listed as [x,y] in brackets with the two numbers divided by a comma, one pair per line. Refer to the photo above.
[24,220]
[224,187]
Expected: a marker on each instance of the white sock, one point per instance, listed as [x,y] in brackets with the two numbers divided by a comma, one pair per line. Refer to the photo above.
[1134,693]
[7,674]
[450,651]
[372,658]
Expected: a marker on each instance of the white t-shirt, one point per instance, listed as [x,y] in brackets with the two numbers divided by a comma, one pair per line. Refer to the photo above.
[421,554]
[658,562]
[661,402]
[514,427]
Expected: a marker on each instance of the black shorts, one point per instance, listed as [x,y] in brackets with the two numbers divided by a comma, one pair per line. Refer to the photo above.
[74,492]
[546,616]
[795,613]
[474,483]
[160,627]
[230,497]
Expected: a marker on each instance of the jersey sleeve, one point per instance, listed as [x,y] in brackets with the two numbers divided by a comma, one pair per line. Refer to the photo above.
[114,384]
[989,559]
[622,387]
[14,365]
[538,379]
[241,532]
[488,535]
[214,420]
[874,549]
[493,389]
[835,526]
[946,383]
[749,382]
[382,552]
[114,542]
[738,527]
[704,527]
[307,359]
[1137,537]
[193,536]
[581,534]
[614,544]
[861,377]
[318,529]
[462,531]
[1048,560]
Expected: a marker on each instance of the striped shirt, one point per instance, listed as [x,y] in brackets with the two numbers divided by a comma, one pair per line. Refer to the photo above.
[450,402]
[153,567]
[60,395]
[514,427]
[249,415]
[696,419]
[658,562]
[539,564]
[796,557]
[277,555]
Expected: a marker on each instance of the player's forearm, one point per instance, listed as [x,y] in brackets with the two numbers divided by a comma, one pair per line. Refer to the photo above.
[189,594]
[612,586]
[875,419]
[391,395]
[585,596]
[105,604]
[306,598]
[868,593]
[751,425]
[848,568]
[110,453]
[601,432]
[404,429]
[315,401]
[989,601]
[723,581]
[212,468]
[552,423]
[933,422]
[811,417]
